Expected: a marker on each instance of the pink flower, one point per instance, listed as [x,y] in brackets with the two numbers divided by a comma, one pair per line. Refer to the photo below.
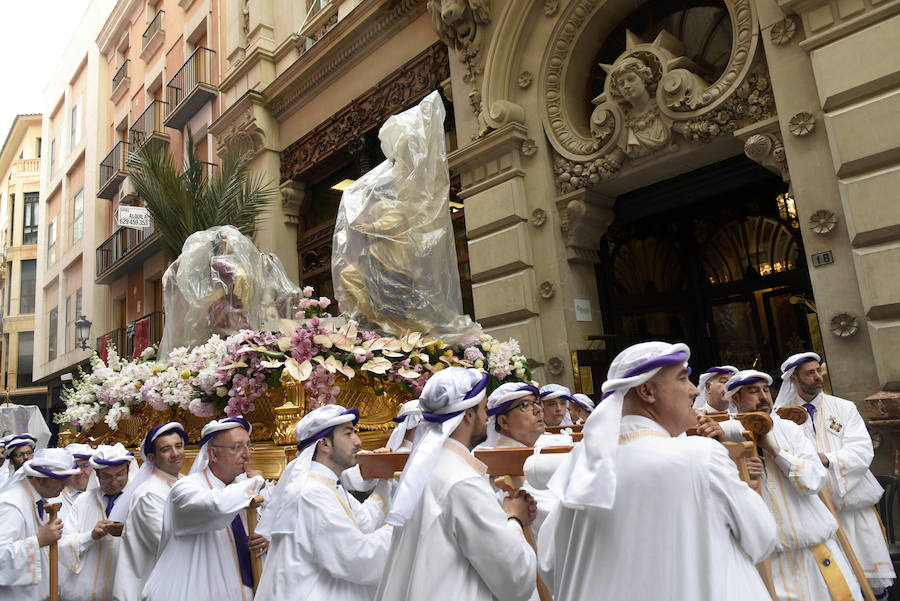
[324,302]
[308,291]
[201,409]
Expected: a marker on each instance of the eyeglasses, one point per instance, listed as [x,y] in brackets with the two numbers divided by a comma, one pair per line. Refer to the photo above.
[527,406]
[103,477]
[235,448]
[20,454]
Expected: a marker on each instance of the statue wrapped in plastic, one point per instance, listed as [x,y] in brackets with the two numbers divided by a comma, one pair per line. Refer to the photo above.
[220,284]
[394,261]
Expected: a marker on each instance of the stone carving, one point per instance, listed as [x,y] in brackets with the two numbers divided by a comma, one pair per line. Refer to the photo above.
[244,134]
[293,197]
[550,7]
[584,219]
[459,24]
[529,147]
[783,31]
[547,290]
[767,149]
[405,87]
[822,221]
[802,124]
[844,325]
[555,366]
[538,217]
[525,79]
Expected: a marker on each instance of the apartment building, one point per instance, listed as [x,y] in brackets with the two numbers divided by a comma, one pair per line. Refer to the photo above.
[160,71]
[71,221]
[20,170]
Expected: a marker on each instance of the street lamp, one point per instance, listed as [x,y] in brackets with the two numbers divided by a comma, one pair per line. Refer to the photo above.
[82,332]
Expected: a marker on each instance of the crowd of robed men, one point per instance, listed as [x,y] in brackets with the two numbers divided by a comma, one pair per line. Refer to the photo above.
[636,510]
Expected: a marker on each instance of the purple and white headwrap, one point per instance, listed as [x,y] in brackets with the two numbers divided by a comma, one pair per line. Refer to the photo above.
[444,401]
[209,431]
[583,401]
[703,398]
[120,510]
[57,464]
[558,391]
[743,378]
[500,401]
[280,518]
[110,456]
[20,440]
[587,477]
[787,394]
[409,417]
[80,450]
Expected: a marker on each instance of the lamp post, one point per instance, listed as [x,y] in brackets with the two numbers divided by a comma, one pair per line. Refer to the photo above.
[82,332]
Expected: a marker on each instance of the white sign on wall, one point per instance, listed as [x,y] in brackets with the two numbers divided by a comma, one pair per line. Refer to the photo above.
[136,218]
[583,310]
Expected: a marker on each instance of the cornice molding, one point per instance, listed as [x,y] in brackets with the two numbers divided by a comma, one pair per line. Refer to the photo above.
[122,15]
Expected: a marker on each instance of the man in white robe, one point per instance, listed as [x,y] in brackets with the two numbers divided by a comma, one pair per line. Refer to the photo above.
[78,483]
[792,476]
[26,531]
[205,551]
[452,539]
[580,408]
[326,545]
[556,399]
[19,449]
[845,449]
[4,473]
[712,389]
[692,530]
[141,508]
[90,546]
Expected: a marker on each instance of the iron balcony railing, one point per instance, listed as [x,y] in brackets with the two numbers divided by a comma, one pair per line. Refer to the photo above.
[118,246]
[113,169]
[148,125]
[121,74]
[115,337]
[190,88]
[155,27]
[144,332]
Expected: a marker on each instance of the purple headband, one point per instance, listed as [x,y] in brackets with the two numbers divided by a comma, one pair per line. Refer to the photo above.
[322,434]
[504,407]
[84,456]
[112,462]
[439,418]
[655,362]
[228,420]
[605,395]
[155,432]
[718,370]
[48,473]
[801,361]
[749,380]
[399,419]
[476,390]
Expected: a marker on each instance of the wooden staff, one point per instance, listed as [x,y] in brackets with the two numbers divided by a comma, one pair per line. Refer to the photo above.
[500,462]
[799,416]
[506,483]
[251,527]
[52,509]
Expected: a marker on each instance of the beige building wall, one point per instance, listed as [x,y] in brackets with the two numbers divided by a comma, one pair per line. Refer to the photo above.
[20,172]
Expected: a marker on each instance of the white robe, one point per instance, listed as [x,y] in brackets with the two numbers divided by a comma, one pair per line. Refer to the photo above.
[841,434]
[197,559]
[791,481]
[140,538]
[87,566]
[458,545]
[680,507]
[67,499]
[337,550]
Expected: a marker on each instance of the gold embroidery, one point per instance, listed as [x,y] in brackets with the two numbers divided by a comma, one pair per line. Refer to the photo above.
[637,434]
[333,484]
[466,456]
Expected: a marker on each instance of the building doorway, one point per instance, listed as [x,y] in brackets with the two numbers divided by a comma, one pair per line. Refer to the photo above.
[713,258]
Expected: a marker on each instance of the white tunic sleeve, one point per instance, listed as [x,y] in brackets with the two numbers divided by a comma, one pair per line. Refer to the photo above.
[145,521]
[799,461]
[742,509]
[199,510]
[494,545]
[849,463]
[20,556]
[370,515]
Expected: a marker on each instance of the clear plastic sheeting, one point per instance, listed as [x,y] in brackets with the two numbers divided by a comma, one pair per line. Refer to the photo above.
[221,283]
[394,261]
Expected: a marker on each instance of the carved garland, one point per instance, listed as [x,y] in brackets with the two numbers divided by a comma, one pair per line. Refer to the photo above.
[400,90]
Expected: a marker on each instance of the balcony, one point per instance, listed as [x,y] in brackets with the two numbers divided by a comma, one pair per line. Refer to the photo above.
[153,36]
[148,128]
[26,166]
[191,88]
[120,253]
[113,169]
[121,81]
[131,340]
[116,338]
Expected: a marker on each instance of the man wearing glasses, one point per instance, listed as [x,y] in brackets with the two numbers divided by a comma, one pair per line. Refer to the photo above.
[90,545]
[19,449]
[77,484]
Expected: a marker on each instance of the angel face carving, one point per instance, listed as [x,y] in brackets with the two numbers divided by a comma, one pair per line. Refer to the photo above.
[630,81]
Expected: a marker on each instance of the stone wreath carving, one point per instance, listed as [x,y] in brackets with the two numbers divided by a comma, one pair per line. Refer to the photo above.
[459,24]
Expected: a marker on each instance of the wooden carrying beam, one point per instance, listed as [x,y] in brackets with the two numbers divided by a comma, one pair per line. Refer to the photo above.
[52,510]
[500,462]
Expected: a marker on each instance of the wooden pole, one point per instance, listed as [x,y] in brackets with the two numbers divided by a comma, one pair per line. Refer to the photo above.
[848,550]
[53,564]
[505,483]
[251,527]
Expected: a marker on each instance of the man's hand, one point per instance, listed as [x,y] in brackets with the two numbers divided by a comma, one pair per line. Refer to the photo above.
[50,532]
[252,473]
[521,505]
[710,428]
[824,459]
[755,468]
[102,528]
[258,544]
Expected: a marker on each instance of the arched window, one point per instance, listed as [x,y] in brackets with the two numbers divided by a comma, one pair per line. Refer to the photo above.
[647,266]
[751,247]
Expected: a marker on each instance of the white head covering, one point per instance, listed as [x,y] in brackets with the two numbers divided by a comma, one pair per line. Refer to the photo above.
[46,463]
[279,518]
[742,378]
[20,440]
[123,503]
[444,401]
[83,451]
[207,434]
[588,475]
[499,402]
[584,401]
[556,391]
[409,416]
[787,394]
[712,372]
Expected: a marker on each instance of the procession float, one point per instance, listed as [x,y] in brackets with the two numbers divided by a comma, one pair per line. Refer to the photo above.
[241,338]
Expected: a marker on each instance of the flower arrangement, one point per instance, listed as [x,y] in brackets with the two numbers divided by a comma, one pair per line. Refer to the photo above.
[318,350]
